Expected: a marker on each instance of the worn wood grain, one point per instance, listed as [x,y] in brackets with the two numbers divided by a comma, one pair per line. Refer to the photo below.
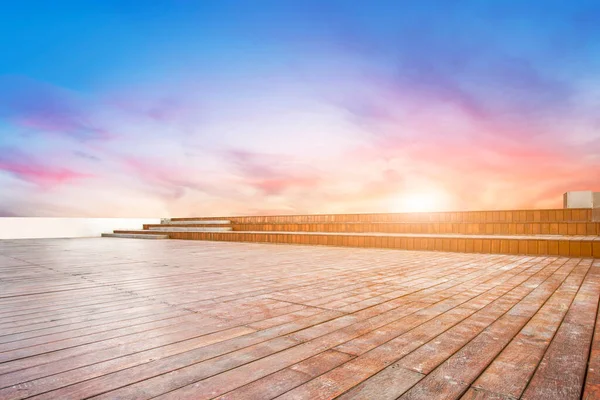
[110,318]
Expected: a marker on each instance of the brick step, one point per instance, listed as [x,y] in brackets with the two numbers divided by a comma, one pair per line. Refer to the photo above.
[573,246]
[549,215]
[134,236]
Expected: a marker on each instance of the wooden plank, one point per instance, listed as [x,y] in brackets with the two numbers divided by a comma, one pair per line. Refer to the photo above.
[453,377]
[567,356]
[386,384]
[70,329]
[242,382]
[100,376]
[592,381]
[432,354]
[344,378]
[510,372]
[99,351]
[480,394]
[564,362]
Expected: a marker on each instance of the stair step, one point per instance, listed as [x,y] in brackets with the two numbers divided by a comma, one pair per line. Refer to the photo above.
[196,222]
[547,215]
[134,236]
[463,228]
[190,229]
[559,245]
[590,238]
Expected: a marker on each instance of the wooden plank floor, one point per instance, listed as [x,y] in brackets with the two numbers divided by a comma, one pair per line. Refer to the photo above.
[138,319]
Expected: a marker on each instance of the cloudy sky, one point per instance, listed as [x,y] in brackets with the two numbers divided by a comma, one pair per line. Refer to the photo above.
[181,108]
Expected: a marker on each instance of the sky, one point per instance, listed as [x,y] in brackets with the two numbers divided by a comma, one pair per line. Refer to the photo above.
[217,107]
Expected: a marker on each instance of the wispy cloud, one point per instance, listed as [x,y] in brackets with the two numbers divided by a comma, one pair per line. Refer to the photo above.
[47,109]
[320,107]
[33,170]
[167,180]
[87,156]
[6,213]
[271,174]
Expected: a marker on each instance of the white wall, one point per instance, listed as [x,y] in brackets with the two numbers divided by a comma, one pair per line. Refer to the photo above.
[30,228]
[582,199]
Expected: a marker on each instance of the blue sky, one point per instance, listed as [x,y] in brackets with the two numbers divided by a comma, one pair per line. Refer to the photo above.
[130,108]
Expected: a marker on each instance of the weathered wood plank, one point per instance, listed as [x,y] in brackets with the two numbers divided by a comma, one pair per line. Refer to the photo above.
[510,372]
[453,377]
[242,320]
[567,356]
[592,381]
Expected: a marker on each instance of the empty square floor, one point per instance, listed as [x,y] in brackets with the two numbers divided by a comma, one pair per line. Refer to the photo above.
[170,319]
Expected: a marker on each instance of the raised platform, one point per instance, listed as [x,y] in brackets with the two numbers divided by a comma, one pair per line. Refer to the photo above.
[565,232]
[172,319]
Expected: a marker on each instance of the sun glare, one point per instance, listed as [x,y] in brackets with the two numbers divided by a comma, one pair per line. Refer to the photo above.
[419,202]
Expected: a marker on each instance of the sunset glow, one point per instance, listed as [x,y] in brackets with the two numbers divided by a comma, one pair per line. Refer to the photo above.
[180,108]
[420,202]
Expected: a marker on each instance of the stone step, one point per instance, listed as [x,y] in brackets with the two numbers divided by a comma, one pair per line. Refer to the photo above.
[134,236]
[558,245]
[549,215]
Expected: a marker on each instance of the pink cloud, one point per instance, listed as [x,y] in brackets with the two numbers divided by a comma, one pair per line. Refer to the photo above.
[274,186]
[42,175]
[168,180]
[272,175]
[35,170]
[481,159]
